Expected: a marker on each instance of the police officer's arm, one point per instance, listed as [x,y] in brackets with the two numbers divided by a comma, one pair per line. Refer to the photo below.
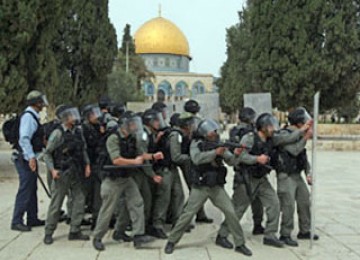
[285,137]
[53,143]
[142,147]
[175,149]
[27,129]
[296,148]
[247,142]
[230,158]
[113,148]
[199,157]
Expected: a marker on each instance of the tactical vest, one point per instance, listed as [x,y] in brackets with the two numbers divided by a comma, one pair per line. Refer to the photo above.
[70,154]
[185,145]
[93,138]
[289,163]
[128,150]
[164,146]
[208,174]
[237,133]
[259,148]
[152,147]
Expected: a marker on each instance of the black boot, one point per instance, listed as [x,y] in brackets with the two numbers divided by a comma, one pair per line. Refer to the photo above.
[169,248]
[258,230]
[118,236]
[158,233]
[78,236]
[48,240]
[243,250]
[98,245]
[307,236]
[21,228]
[223,242]
[139,240]
[273,241]
[288,241]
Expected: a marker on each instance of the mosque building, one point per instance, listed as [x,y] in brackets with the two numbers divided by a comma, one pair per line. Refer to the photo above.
[166,52]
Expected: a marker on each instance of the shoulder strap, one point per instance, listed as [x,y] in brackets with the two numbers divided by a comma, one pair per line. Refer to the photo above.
[32,114]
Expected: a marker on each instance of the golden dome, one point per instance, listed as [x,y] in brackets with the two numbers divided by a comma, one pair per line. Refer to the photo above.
[161,36]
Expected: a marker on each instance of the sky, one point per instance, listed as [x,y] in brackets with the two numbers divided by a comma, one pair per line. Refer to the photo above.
[204,23]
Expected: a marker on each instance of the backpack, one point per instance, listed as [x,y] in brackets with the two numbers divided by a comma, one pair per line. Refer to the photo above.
[49,128]
[11,127]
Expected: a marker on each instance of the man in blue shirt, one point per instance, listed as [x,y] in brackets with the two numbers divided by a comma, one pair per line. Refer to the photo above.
[31,142]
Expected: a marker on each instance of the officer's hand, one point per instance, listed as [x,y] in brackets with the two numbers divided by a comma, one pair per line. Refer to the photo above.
[139,160]
[220,151]
[87,171]
[55,174]
[238,151]
[309,134]
[158,156]
[102,129]
[147,156]
[32,164]
[157,179]
[262,159]
[309,179]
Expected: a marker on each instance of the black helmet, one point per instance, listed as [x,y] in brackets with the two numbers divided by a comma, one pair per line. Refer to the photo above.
[104,102]
[59,109]
[206,126]
[186,119]
[91,109]
[174,119]
[69,112]
[149,115]
[159,106]
[247,115]
[192,106]
[298,116]
[117,110]
[265,120]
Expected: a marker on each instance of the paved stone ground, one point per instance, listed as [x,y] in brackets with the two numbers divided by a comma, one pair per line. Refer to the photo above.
[337,223]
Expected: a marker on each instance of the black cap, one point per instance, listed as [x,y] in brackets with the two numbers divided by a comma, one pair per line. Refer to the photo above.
[192,106]
[104,102]
[159,106]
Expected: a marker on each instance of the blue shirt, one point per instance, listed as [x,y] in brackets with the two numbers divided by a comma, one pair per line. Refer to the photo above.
[27,129]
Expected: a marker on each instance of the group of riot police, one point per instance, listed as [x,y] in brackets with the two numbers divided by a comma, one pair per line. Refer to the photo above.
[125,169]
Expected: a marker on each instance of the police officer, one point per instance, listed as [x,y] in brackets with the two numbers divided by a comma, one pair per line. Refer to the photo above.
[169,195]
[254,165]
[209,180]
[30,143]
[291,187]
[93,133]
[105,105]
[247,117]
[193,107]
[122,149]
[66,157]
[144,178]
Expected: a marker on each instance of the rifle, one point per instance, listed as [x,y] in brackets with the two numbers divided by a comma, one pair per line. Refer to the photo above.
[122,167]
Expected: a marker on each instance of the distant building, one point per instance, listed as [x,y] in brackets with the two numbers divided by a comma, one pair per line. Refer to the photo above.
[166,53]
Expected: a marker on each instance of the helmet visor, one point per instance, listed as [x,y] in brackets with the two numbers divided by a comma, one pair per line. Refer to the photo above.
[135,126]
[70,115]
[207,126]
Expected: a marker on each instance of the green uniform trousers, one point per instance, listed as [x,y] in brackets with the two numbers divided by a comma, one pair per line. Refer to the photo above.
[143,183]
[292,189]
[262,189]
[67,184]
[111,192]
[168,194]
[221,200]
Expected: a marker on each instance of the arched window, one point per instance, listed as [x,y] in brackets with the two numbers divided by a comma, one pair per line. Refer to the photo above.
[166,87]
[181,89]
[198,88]
[149,88]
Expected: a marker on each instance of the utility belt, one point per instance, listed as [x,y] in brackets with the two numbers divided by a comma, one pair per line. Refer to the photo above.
[211,178]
